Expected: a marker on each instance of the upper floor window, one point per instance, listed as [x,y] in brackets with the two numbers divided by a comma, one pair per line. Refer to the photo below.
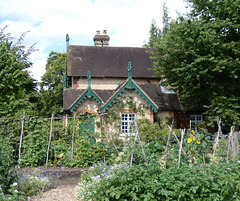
[195,120]
[167,90]
[128,124]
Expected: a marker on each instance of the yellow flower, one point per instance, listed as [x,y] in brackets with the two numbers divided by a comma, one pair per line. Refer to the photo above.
[192,131]
[198,142]
[194,139]
[189,140]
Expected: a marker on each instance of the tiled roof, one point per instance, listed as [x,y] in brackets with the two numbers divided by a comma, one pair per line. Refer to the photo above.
[109,61]
[165,102]
[70,96]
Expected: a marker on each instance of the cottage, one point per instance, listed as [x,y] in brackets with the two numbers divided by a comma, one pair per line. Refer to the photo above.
[103,78]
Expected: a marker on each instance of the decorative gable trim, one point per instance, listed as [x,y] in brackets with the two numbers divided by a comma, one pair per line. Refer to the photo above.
[129,84]
[88,94]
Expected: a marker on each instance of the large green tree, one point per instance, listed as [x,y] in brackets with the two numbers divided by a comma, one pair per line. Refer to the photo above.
[155,33]
[199,57]
[16,86]
[51,92]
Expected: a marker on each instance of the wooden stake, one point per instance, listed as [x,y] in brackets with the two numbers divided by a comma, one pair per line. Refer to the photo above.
[20,143]
[135,138]
[177,139]
[111,139]
[140,142]
[218,134]
[49,143]
[168,142]
[55,154]
[180,146]
[74,128]
[229,142]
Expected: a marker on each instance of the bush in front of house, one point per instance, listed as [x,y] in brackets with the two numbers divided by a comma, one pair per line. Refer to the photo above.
[151,182]
[33,181]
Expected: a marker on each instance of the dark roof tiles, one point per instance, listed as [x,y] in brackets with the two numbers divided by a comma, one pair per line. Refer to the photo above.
[164,101]
[109,61]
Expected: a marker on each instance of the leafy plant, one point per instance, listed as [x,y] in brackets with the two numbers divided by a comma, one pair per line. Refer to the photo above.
[35,141]
[197,147]
[7,163]
[35,182]
[18,91]
[150,182]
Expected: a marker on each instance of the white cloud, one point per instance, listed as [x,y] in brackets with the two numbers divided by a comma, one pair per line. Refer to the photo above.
[38,70]
[127,21]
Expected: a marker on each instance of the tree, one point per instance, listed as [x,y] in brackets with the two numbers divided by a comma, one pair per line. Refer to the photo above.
[51,92]
[199,57]
[155,32]
[16,86]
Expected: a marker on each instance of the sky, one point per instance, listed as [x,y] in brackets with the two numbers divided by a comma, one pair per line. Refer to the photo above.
[48,21]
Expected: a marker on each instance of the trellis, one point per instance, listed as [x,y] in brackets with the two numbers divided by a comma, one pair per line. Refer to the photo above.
[232,142]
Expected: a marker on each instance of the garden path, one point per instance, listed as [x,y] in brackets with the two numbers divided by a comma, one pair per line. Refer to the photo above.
[65,190]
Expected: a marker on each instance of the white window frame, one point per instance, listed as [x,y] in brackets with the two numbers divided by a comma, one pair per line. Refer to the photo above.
[195,120]
[127,122]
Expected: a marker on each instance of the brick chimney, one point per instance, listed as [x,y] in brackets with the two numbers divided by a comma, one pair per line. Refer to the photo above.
[101,39]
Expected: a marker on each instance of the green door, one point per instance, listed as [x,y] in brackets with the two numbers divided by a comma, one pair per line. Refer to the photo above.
[87,125]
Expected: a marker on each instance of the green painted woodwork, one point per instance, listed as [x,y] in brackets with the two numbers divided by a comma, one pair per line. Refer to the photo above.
[87,126]
[88,94]
[67,40]
[129,70]
[64,81]
[130,84]
[65,77]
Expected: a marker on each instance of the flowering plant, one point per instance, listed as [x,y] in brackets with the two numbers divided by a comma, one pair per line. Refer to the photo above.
[196,147]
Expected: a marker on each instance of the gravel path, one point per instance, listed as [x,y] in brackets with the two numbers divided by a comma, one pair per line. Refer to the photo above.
[65,190]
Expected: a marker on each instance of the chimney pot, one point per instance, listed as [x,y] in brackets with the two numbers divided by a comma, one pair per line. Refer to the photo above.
[101,40]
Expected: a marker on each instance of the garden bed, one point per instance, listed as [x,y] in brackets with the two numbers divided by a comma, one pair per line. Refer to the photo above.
[65,188]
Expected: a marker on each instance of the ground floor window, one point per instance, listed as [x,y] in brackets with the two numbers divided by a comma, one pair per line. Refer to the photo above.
[128,123]
[194,121]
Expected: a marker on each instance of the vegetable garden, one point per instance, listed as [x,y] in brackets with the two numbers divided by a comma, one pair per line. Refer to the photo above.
[157,163]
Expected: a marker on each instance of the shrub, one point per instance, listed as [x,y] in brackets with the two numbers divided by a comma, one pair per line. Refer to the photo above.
[7,163]
[34,182]
[150,182]
[89,179]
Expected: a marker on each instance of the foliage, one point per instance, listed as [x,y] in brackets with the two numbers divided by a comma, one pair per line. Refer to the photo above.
[199,57]
[114,118]
[89,147]
[14,194]
[89,179]
[17,88]
[152,132]
[150,182]
[51,92]
[197,147]
[156,33]
[35,182]
[7,163]
[35,142]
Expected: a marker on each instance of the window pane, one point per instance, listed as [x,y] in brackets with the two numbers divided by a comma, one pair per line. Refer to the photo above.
[127,122]
[195,119]
[192,117]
